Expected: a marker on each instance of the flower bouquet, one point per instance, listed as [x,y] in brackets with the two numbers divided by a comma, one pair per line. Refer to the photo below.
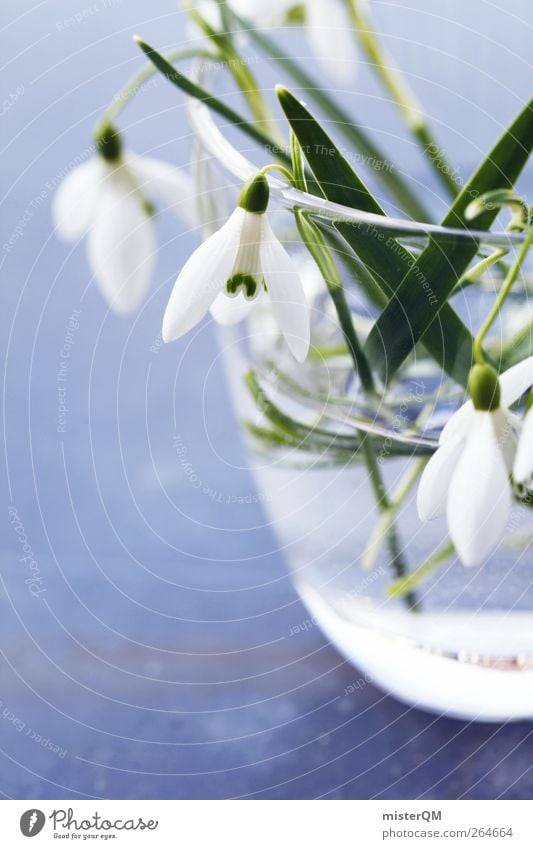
[381,363]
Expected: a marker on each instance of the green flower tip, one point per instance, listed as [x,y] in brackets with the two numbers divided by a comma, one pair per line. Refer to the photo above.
[255,194]
[296,14]
[108,143]
[484,387]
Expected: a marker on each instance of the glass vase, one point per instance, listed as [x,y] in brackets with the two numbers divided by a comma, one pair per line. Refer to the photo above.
[460,641]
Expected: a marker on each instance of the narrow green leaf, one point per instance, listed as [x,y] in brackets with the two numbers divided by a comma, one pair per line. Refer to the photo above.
[410,315]
[518,347]
[377,160]
[356,269]
[407,584]
[317,247]
[313,437]
[194,90]
[449,341]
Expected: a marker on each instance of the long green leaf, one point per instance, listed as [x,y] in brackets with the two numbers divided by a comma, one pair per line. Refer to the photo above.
[450,343]
[305,436]
[410,315]
[317,247]
[194,90]
[352,132]
[408,583]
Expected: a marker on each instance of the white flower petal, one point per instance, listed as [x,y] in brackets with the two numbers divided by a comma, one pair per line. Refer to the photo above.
[507,427]
[330,36]
[121,245]
[248,259]
[515,381]
[209,10]
[286,293]
[202,278]
[226,310]
[435,481]
[262,12]
[523,464]
[312,280]
[74,202]
[213,194]
[173,186]
[479,498]
[458,424]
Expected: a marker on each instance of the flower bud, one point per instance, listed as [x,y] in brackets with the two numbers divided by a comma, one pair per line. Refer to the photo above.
[255,194]
[484,387]
[108,143]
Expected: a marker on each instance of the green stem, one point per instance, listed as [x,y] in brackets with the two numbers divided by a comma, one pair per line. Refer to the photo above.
[473,274]
[319,250]
[291,425]
[381,530]
[437,158]
[331,352]
[274,166]
[401,94]
[298,166]
[404,586]
[238,68]
[502,297]
[358,272]
[251,91]
[194,90]
[398,564]
[317,247]
[139,79]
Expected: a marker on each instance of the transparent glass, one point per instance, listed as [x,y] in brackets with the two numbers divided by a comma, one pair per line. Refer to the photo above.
[467,648]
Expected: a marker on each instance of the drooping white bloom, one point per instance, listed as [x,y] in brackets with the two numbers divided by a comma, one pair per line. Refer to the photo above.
[326,23]
[468,477]
[240,261]
[329,34]
[109,199]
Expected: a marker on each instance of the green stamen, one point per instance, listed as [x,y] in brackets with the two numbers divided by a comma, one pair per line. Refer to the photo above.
[246,282]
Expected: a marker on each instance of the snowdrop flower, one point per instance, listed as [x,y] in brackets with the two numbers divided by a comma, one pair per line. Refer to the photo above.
[241,261]
[109,200]
[328,30]
[468,477]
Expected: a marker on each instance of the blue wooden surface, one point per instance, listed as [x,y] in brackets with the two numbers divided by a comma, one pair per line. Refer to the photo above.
[156,659]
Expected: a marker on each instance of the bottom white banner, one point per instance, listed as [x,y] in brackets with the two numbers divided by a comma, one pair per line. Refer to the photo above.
[267,824]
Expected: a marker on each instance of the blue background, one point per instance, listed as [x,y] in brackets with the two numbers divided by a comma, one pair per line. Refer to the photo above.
[158,657]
